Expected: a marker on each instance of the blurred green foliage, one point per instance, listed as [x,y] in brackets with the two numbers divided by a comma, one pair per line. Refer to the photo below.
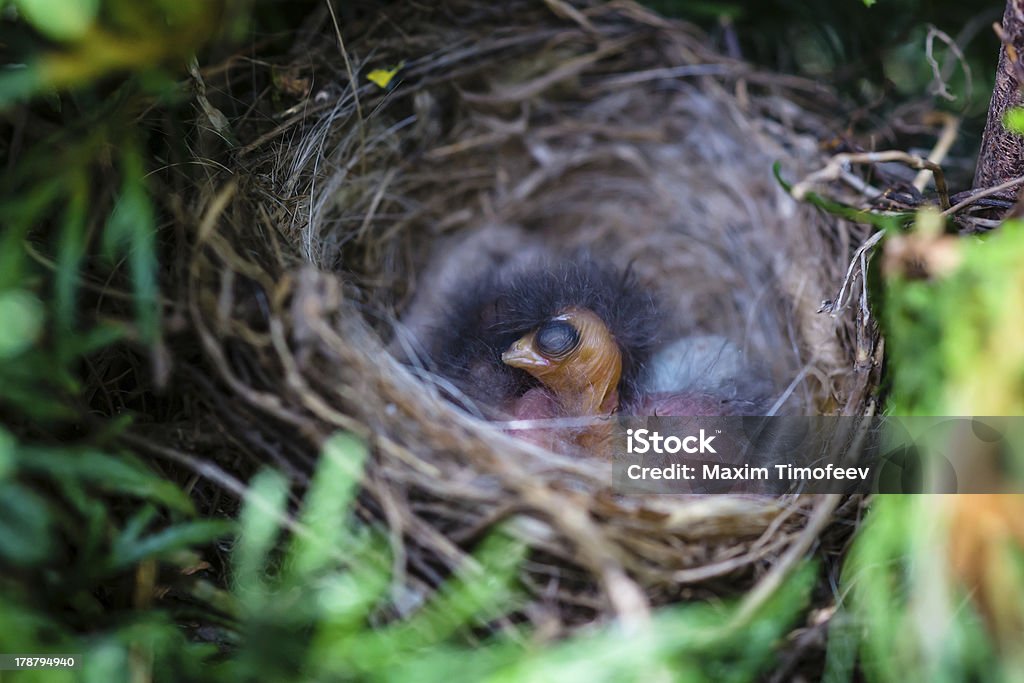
[857,46]
[76,206]
[953,347]
[901,616]
[954,342]
[1014,120]
[874,55]
[76,528]
[59,20]
[310,604]
[52,44]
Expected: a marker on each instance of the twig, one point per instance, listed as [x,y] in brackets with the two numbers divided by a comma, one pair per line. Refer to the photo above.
[939,84]
[767,586]
[529,89]
[950,127]
[684,71]
[723,567]
[981,194]
[837,305]
[201,467]
[833,170]
[978,224]
[862,186]
[567,11]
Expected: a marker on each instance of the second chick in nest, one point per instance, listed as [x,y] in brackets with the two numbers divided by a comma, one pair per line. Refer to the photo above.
[577,338]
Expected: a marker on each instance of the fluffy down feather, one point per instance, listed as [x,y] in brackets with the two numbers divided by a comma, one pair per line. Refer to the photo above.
[486,315]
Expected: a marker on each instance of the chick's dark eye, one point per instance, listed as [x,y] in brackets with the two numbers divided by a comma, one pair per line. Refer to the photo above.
[557,338]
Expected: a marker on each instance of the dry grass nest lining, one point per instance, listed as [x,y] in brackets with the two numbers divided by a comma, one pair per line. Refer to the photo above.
[605,126]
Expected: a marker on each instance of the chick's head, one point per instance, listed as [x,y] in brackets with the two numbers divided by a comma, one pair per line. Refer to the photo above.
[576,357]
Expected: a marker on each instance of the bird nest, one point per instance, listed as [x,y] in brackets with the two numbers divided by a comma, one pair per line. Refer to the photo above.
[385,153]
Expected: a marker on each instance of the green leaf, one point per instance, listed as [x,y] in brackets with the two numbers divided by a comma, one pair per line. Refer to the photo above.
[70,251]
[127,549]
[107,661]
[132,229]
[19,216]
[89,341]
[37,386]
[59,19]
[347,598]
[24,525]
[259,526]
[137,524]
[22,316]
[19,83]
[327,504]
[8,444]
[1013,120]
[121,475]
[890,221]
[479,593]
[685,643]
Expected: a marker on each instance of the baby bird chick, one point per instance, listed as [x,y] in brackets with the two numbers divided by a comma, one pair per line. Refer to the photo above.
[578,331]
[578,339]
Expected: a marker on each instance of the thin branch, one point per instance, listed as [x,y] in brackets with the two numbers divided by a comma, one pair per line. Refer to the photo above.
[835,167]
[820,518]
[981,194]
[939,85]
[838,305]
[950,127]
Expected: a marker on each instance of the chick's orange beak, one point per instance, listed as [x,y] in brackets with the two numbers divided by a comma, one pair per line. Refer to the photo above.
[522,355]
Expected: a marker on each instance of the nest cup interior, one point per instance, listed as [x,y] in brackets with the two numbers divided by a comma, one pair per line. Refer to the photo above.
[607,142]
[508,133]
